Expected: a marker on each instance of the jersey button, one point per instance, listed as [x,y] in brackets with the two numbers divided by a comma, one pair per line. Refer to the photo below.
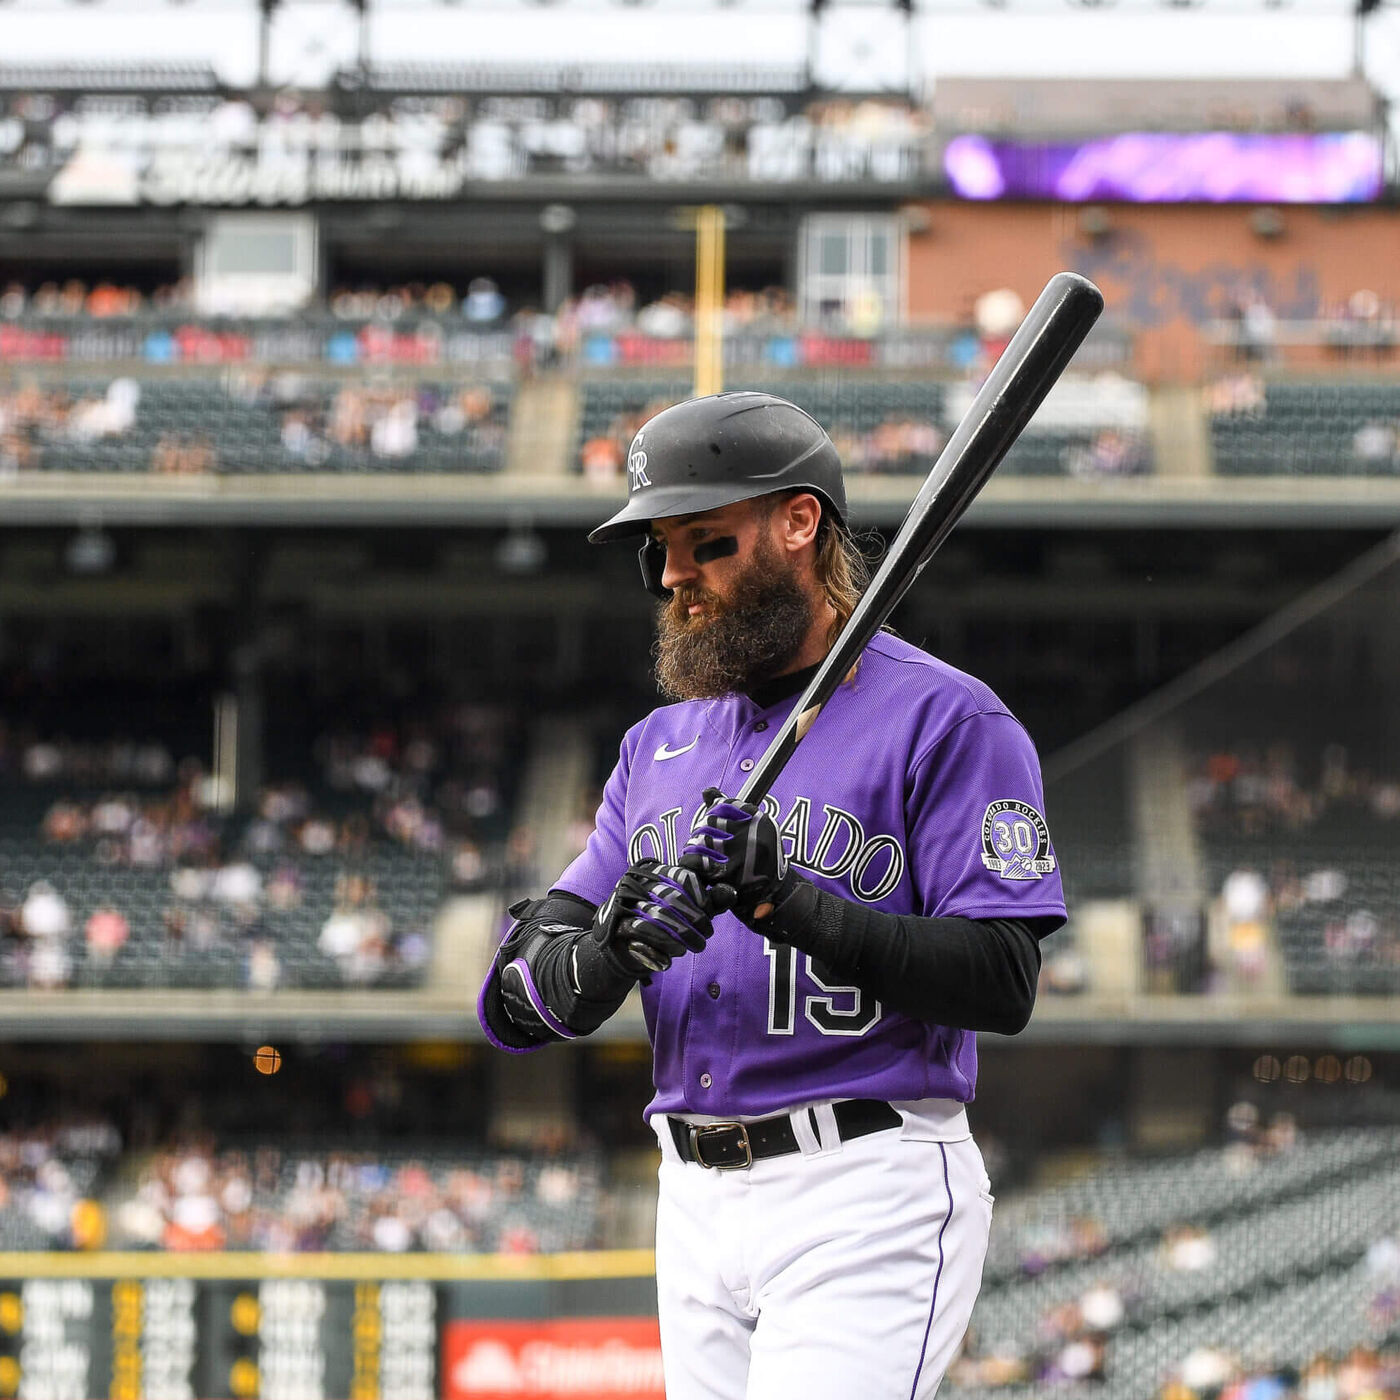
[760,726]
[713,990]
[705,1081]
[746,764]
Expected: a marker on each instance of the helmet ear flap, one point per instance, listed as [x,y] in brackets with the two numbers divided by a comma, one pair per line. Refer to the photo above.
[652,558]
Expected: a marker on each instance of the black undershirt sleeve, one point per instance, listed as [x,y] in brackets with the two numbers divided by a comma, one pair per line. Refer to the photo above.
[972,974]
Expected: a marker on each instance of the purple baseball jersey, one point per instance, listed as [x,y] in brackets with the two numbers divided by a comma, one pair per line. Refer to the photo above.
[916,792]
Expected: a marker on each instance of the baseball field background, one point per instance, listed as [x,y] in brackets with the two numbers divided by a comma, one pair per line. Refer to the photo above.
[324,330]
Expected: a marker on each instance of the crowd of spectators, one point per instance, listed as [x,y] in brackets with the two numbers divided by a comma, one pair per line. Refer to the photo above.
[147,827]
[33,417]
[226,883]
[1245,791]
[898,444]
[479,302]
[1361,325]
[1374,444]
[50,1178]
[195,1197]
[1268,800]
[383,420]
[72,1184]
[1218,1372]
[26,756]
[100,300]
[602,308]
[359,419]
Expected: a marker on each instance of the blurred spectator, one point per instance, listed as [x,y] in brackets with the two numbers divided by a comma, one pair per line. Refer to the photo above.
[109,416]
[1255,327]
[107,932]
[1237,394]
[264,971]
[1188,1249]
[1112,452]
[1244,898]
[395,434]
[1374,442]
[483,303]
[46,922]
[602,458]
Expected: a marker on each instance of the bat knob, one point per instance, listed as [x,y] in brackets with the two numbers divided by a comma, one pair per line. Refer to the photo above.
[648,957]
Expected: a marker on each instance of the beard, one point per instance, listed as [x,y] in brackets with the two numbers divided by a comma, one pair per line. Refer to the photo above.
[740,640]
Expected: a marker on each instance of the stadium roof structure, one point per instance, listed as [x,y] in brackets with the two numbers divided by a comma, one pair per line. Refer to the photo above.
[1075,106]
[612,79]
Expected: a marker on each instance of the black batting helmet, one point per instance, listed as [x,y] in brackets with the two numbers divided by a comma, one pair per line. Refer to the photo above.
[713,451]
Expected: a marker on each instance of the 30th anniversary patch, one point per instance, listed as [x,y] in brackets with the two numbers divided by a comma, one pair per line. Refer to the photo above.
[1016,841]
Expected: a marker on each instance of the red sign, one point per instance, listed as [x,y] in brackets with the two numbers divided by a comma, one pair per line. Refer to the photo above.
[575,1358]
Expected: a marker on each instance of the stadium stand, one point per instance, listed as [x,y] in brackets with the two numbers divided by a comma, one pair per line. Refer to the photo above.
[67,1184]
[1117,1278]
[169,895]
[1093,428]
[299,1197]
[120,869]
[1280,1250]
[50,1179]
[252,422]
[1321,428]
[877,425]
[1314,840]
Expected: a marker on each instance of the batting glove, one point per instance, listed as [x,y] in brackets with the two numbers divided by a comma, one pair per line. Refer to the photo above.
[654,915]
[737,848]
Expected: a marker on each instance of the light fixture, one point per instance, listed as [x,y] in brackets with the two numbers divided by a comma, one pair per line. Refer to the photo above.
[522,551]
[91,551]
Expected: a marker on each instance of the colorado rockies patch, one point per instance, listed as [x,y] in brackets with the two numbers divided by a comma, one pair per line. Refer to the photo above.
[1015,841]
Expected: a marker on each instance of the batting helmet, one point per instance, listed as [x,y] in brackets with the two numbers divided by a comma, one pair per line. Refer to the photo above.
[713,451]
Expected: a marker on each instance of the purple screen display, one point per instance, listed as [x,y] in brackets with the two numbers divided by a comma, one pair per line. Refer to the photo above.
[1165,167]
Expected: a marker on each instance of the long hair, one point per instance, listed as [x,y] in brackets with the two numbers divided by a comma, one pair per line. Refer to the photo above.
[841,568]
[843,573]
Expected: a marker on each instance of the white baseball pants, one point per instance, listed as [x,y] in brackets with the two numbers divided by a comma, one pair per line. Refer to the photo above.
[846,1271]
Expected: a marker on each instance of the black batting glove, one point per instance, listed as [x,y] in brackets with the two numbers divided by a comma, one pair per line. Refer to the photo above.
[654,915]
[737,848]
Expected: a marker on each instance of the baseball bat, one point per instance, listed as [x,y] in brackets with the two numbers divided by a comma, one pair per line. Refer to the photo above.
[1025,372]
[1035,357]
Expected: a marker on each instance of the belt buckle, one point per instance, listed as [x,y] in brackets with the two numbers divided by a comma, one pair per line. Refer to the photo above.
[732,1141]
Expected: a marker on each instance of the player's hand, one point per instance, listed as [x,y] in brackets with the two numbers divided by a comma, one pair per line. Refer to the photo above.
[737,848]
[656,914]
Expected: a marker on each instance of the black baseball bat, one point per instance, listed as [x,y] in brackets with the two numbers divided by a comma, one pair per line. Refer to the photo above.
[1025,372]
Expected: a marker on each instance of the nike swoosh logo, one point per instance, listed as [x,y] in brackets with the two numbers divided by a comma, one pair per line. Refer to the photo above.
[665,751]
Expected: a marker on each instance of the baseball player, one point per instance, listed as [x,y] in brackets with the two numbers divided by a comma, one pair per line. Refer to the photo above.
[813,968]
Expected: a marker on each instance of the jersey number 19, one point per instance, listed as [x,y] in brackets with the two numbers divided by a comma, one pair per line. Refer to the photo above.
[833,1010]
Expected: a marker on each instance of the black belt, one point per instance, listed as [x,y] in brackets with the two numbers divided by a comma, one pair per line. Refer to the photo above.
[727,1146]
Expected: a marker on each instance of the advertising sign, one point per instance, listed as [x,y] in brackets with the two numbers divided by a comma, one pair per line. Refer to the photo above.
[578,1358]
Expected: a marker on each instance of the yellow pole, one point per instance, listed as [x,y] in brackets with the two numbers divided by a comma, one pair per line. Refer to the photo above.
[709,300]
